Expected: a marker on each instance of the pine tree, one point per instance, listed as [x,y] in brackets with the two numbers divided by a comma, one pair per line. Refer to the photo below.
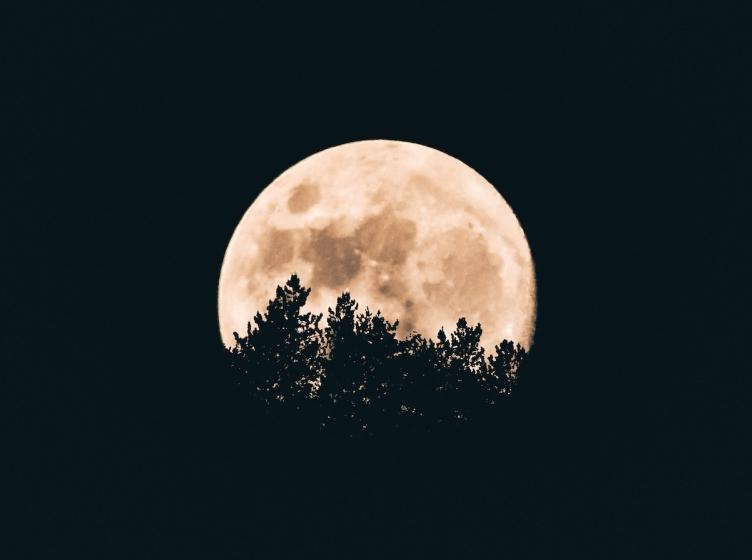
[341,382]
[504,366]
[467,368]
[378,376]
[283,354]
[413,384]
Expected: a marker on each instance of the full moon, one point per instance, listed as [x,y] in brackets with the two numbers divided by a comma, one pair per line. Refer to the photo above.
[404,228]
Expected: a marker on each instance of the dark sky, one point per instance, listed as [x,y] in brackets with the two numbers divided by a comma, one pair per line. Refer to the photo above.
[138,139]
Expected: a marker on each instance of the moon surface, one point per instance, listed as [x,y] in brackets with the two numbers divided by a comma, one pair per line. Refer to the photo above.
[406,229]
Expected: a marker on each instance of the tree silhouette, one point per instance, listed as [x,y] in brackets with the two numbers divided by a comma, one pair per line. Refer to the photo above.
[466,368]
[411,382]
[379,376]
[504,367]
[282,356]
[355,376]
[342,380]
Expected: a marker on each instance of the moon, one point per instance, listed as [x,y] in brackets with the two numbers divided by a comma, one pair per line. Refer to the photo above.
[405,228]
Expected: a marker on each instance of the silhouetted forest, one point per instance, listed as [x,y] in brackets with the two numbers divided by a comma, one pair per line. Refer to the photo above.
[355,376]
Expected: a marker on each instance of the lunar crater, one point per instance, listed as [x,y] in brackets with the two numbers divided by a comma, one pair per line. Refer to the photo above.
[387,238]
[278,248]
[303,197]
[335,259]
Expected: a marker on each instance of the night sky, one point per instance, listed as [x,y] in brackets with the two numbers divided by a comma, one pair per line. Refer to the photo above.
[139,138]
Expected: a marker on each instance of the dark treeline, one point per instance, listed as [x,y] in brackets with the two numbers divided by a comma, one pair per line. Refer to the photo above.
[356,376]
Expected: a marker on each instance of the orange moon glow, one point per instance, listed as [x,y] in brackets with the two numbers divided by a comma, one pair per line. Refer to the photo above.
[404,228]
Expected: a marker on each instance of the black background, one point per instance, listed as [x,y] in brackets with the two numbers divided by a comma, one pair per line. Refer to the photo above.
[138,139]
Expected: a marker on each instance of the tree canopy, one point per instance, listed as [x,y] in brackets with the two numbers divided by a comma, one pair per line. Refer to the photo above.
[357,377]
